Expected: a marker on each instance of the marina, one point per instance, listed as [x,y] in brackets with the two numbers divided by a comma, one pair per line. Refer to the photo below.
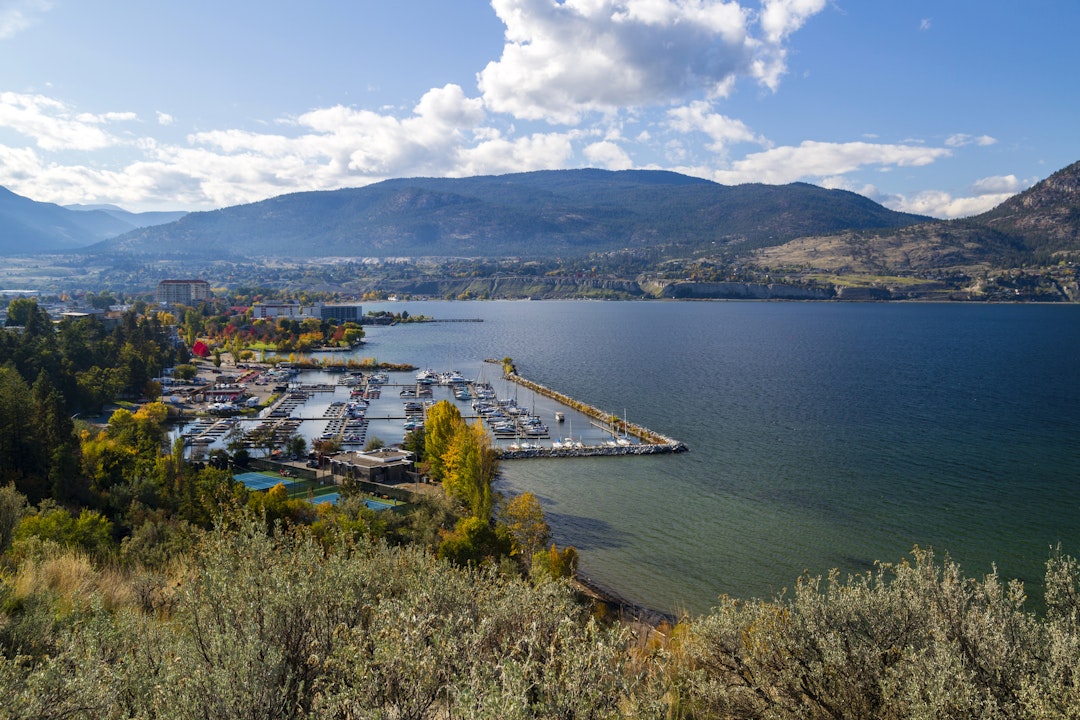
[349,410]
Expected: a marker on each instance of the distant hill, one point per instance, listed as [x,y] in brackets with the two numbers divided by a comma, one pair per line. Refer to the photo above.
[1040,226]
[536,214]
[30,227]
[135,220]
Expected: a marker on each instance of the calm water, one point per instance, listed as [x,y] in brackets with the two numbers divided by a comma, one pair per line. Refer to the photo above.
[821,435]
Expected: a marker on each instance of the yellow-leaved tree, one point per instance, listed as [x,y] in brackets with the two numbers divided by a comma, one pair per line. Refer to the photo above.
[442,422]
[470,466]
[523,517]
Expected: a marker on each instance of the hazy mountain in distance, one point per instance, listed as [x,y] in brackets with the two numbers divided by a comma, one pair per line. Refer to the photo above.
[31,227]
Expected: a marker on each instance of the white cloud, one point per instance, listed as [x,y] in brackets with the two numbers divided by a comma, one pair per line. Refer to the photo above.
[721,130]
[448,106]
[564,59]
[780,18]
[940,204]
[995,184]
[54,126]
[924,24]
[164,118]
[18,15]
[963,139]
[609,155]
[541,151]
[984,194]
[813,160]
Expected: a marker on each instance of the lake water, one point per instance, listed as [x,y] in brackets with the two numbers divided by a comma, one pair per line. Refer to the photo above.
[821,435]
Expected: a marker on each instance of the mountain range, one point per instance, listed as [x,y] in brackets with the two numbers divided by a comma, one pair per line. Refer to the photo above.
[28,227]
[571,213]
[536,214]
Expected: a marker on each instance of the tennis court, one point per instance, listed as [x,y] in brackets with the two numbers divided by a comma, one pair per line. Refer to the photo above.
[304,489]
[375,505]
[263,481]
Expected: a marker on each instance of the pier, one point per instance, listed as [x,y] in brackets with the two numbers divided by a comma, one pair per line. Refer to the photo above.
[651,443]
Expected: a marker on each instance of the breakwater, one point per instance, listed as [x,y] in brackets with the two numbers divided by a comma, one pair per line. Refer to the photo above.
[651,442]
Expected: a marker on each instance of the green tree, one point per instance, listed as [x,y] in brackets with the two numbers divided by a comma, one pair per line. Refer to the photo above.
[89,531]
[21,311]
[296,446]
[13,508]
[98,385]
[414,442]
[185,372]
[474,541]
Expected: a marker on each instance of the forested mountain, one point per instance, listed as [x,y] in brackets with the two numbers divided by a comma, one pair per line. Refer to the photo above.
[31,227]
[536,214]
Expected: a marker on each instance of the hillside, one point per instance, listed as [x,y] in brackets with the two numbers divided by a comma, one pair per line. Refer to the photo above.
[1039,226]
[537,214]
[31,227]
[1046,216]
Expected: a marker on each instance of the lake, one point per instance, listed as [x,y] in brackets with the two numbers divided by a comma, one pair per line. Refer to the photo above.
[821,435]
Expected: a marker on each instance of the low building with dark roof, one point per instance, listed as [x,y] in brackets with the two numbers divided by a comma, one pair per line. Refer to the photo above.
[386,466]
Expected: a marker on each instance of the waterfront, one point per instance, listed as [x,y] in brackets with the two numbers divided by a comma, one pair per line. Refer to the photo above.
[820,435]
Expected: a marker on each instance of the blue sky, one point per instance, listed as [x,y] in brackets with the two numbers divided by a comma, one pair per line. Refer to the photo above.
[941,108]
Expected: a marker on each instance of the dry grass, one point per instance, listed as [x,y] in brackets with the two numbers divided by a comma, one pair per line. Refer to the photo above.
[71,577]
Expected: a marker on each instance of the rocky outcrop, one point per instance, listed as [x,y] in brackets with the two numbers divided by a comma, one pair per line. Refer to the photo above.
[743,291]
[592,451]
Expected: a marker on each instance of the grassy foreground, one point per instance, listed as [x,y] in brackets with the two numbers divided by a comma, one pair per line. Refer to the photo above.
[252,623]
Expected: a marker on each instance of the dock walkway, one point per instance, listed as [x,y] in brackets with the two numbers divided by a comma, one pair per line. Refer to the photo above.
[652,443]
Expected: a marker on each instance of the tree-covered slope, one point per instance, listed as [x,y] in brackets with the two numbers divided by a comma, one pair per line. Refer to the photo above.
[538,214]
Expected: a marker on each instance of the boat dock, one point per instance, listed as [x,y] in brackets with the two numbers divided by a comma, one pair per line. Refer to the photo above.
[650,442]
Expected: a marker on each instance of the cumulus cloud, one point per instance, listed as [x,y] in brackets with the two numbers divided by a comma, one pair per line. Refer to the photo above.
[721,130]
[55,126]
[812,160]
[940,204]
[564,59]
[780,18]
[655,69]
[984,194]
[540,151]
[995,184]
[446,134]
[608,155]
[17,15]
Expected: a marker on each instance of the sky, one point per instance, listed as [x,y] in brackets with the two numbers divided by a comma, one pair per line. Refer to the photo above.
[939,107]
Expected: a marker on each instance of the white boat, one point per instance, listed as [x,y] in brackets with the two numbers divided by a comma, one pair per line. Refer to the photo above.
[559,416]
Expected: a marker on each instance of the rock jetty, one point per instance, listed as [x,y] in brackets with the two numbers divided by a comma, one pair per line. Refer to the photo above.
[651,443]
